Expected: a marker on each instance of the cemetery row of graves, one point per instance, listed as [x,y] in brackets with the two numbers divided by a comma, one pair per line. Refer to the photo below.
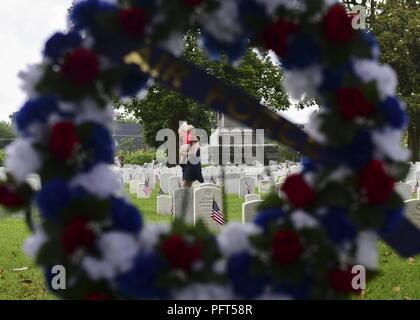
[158,192]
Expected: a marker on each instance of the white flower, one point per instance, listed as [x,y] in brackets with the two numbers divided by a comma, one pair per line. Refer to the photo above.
[302,220]
[234,238]
[101,181]
[272,5]
[118,251]
[30,78]
[384,75]
[88,111]
[223,23]
[35,242]
[22,159]
[313,128]
[367,254]
[174,43]
[150,235]
[387,142]
[299,83]
[198,291]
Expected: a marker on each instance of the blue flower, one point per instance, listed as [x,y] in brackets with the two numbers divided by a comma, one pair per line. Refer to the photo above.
[125,217]
[393,113]
[99,145]
[59,43]
[373,43]
[302,52]
[308,165]
[36,110]
[245,283]
[265,216]
[251,12]
[393,216]
[53,197]
[298,291]
[359,152]
[332,78]
[233,51]
[133,81]
[338,225]
[84,13]
[140,281]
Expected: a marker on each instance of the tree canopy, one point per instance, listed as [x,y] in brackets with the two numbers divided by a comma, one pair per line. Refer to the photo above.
[397,27]
[257,74]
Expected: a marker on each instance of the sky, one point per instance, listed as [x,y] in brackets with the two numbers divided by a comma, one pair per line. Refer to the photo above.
[25,25]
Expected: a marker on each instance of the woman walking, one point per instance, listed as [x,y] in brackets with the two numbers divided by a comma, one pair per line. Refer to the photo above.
[189,155]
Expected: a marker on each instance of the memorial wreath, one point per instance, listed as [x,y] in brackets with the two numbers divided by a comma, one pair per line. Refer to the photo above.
[302,244]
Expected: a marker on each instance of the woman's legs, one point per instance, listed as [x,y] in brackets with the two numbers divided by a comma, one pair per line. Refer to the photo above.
[188,183]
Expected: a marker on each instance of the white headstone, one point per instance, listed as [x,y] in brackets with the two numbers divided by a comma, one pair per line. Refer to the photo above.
[252,197]
[195,185]
[404,190]
[143,192]
[412,211]
[184,204]
[232,183]
[264,186]
[249,210]
[174,183]
[133,186]
[246,186]
[164,181]
[164,204]
[203,205]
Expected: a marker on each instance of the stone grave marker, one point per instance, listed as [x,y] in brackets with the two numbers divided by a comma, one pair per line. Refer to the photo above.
[252,197]
[246,186]
[412,211]
[205,199]
[184,197]
[249,210]
[164,203]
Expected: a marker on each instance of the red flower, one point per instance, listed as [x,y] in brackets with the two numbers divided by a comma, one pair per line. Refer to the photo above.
[179,253]
[374,182]
[132,21]
[63,140]
[193,3]
[275,36]
[352,103]
[337,25]
[81,67]
[341,280]
[76,235]
[297,191]
[10,199]
[287,247]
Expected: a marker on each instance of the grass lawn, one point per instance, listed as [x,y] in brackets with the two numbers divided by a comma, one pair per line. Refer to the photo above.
[399,278]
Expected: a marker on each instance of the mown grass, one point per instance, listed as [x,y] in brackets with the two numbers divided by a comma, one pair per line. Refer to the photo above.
[398,279]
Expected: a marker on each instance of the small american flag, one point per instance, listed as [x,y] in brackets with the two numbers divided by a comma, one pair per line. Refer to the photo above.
[172,207]
[248,188]
[147,188]
[216,213]
[416,187]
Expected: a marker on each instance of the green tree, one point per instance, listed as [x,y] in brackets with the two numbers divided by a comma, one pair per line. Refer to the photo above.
[397,27]
[257,74]
[6,134]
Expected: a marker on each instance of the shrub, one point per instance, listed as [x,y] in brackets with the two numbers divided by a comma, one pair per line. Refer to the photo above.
[139,157]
